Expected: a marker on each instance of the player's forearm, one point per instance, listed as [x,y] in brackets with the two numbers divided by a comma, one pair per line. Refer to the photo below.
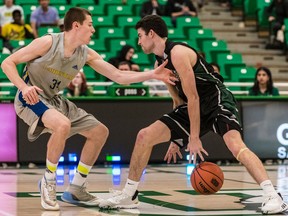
[9,68]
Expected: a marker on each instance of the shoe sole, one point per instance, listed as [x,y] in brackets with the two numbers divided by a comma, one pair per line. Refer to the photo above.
[132,206]
[43,204]
[67,197]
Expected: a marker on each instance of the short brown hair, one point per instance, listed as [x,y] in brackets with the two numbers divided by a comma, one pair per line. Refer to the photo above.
[75,14]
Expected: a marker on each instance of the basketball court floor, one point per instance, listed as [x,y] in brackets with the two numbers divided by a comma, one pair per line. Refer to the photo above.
[164,190]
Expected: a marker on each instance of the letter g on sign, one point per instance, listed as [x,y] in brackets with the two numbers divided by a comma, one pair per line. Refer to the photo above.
[282,134]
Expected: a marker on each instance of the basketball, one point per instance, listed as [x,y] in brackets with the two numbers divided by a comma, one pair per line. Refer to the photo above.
[207,178]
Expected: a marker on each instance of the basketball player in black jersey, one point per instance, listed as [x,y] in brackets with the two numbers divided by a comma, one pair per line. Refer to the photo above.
[201,103]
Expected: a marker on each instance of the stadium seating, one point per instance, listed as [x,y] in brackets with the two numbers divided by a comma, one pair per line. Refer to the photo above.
[201,35]
[82,2]
[187,23]
[242,74]
[103,21]
[212,48]
[227,61]
[42,30]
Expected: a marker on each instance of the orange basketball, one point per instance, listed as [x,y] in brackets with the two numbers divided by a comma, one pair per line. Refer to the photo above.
[207,178]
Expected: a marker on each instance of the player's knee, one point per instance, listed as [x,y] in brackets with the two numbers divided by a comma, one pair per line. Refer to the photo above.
[104,132]
[143,137]
[99,133]
[63,127]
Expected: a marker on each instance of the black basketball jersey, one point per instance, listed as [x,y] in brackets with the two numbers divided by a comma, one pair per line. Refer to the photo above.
[215,98]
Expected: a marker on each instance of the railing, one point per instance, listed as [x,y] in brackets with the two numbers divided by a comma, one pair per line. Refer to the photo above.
[159,83]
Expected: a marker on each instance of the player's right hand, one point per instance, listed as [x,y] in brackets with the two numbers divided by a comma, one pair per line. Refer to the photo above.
[30,94]
[172,153]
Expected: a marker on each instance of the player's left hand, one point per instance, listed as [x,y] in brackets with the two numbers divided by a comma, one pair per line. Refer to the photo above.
[172,153]
[164,74]
[195,149]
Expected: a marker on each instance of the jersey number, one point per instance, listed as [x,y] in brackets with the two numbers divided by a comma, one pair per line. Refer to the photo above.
[55,84]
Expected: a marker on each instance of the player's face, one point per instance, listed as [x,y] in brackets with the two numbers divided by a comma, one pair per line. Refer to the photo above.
[262,77]
[86,30]
[145,41]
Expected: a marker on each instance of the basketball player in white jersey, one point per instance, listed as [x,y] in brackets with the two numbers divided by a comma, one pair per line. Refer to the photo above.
[52,62]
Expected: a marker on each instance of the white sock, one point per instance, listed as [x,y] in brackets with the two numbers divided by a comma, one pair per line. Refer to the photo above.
[50,173]
[81,174]
[268,187]
[130,187]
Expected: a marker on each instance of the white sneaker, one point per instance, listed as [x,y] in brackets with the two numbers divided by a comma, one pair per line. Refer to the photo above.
[48,194]
[78,195]
[120,200]
[273,205]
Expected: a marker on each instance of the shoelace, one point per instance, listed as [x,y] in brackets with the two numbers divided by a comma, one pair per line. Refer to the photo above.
[120,196]
[51,187]
[87,194]
[115,192]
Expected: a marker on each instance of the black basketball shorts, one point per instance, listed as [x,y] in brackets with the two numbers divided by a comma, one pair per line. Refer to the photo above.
[178,122]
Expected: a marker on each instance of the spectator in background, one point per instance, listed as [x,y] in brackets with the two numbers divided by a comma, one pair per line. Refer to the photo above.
[43,15]
[125,54]
[152,7]
[263,84]
[176,8]
[124,66]
[77,87]
[16,30]
[6,12]
[277,12]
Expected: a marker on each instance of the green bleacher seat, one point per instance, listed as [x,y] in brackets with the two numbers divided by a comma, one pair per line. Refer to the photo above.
[97,45]
[243,74]
[134,2]
[82,2]
[136,10]
[191,43]
[94,9]
[90,73]
[26,2]
[168,22]
[237,4]
[249,9]
[62,9]
[187,23]
[3,76]
[127,22]
[103,21]
[116,44]
[142,59]
[1,44]
[107,34]
[106,55]
[227,61]
[42,30]
[20,43]
[176,34]
[57,2]
[212,48]
[201,35]
[262,17]
[286,24]
[119,10]
[163,2]
[28,9]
